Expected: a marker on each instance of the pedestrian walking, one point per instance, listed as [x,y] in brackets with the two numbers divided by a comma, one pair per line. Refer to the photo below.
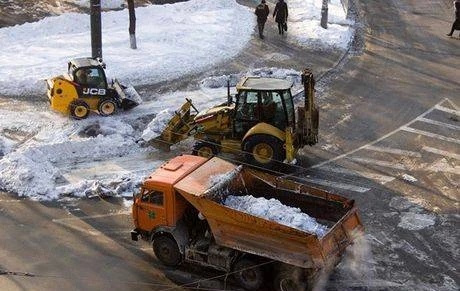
[262,13]
[281,14]
[456,24]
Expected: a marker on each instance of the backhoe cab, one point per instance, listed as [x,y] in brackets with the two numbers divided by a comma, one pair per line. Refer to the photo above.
[261,121]
[85,88]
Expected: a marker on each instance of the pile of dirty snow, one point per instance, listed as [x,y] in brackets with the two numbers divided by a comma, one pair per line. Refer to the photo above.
[304,24]
[157,125]
[173,40]
[274,210]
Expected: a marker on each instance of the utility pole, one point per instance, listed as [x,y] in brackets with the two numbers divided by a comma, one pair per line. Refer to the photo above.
[324,10]
[96,29]
[132,24]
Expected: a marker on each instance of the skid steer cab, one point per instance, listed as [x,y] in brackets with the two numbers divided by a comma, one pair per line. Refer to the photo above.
[85,88]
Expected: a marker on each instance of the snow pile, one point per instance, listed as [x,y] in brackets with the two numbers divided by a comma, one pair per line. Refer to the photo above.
[409,178]
[304,24]
[105,4]
[277,73]
[416,221]
[274,210]
[173,40]
[157,125]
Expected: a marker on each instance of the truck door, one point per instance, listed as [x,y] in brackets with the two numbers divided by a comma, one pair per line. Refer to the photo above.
[151,210]
[247,112]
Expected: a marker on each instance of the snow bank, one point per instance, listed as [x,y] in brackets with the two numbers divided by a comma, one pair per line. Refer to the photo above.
[158,124]
[274,210]
[304,24]
[173,40]
[105,4]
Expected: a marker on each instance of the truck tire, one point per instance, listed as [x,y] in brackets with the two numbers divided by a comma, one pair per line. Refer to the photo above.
[204,149]
[167,251]
[264,150]
[79,109]
[251,276]
[289,280]
[107,107]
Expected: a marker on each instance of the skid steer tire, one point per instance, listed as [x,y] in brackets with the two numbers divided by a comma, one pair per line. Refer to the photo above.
[107,107]
[167,251]
[79,109]
[264,151]
[204,149]
[248,275]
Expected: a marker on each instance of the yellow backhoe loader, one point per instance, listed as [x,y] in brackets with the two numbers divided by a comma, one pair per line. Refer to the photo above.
[85,88]
[262,122]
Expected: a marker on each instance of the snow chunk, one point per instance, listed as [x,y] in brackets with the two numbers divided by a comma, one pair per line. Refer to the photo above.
[409,178]
[274,210]
[173,40]
[157,125]
[416,221]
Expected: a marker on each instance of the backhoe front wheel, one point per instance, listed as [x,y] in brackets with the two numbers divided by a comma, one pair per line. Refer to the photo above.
[167,251]
[79,109]
[107,107]
[264,150]
[204,149]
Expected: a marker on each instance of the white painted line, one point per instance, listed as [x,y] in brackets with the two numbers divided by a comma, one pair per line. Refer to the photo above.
[442,124]
[397,166]
[92,216]
[377,140]
[453,104]
[430,134]
[80,229]
[336,185]
[382,179]
[394,151]
[455,170]
[11,201]
[448,110]
[441,152]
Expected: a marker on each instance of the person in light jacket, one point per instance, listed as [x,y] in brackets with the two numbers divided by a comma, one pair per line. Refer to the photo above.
[281,14]
[456,24]
[262,13]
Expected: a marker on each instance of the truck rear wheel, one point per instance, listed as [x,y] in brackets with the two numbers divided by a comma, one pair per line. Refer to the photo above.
[264,150]
[204,149]
[167,251]
[289,280]
[248,275]
[106,107]
[79,109]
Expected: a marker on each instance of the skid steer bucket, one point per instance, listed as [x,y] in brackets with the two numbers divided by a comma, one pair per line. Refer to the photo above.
[129,98]
[179,127]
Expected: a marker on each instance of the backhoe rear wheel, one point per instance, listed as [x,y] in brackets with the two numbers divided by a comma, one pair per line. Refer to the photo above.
[79,109]
[264,150]
[167,251]
[204,149]
[107,107]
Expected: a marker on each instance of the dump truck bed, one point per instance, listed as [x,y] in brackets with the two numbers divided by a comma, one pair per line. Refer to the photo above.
[207,187]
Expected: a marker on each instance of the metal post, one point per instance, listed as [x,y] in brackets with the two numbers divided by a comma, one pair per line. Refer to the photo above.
[96,29]
[132,24]
[324,10]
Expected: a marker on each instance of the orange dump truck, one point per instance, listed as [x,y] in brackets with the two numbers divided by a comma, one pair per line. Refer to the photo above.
[180,210]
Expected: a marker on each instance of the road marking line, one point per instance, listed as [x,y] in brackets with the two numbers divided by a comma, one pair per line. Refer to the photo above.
[11,201]
[336,185]
[451,126]
[430,134]
[394,151]
[397,166]
[441,152]
[455,170]
[92,216]
[453,104]
[383,179]
[379,139]
[448,110]
[78,228]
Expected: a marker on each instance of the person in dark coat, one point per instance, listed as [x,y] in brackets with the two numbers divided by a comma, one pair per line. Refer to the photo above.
[262,13]
[281,14]
[456,24]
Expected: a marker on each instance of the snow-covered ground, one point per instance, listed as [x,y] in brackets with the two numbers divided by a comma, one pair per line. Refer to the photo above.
[304,24]
[173,40]
[272,209]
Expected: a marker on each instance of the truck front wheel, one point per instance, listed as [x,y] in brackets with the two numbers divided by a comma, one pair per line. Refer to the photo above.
[248,275]
[167,251]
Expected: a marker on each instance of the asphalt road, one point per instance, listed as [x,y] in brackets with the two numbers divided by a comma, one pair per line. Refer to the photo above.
[390,136]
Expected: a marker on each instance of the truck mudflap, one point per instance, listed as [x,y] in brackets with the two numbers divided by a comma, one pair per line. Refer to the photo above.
[129,98]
